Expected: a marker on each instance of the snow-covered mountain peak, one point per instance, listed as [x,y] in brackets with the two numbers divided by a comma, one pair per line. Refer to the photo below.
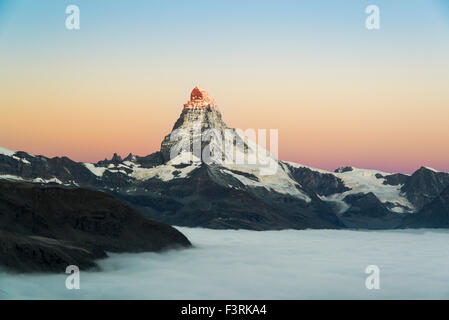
[198,117]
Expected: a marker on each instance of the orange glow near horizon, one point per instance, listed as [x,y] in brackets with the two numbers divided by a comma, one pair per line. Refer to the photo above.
[337,93]
[323,131]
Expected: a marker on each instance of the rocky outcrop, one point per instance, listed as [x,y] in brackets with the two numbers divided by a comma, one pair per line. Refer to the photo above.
[150,161]
[367,212]
[116,160]
[433,215]
[323,184]
[424,185]
[48,228]
[343,169]
[395,179]
[199,99]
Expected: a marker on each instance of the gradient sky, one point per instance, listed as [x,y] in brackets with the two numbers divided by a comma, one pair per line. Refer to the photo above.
[338,93]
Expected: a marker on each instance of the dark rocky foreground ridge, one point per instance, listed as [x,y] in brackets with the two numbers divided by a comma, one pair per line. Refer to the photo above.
[433,215]
[47,228]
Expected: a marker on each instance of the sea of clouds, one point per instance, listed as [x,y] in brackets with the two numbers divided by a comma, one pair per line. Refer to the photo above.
[225,264]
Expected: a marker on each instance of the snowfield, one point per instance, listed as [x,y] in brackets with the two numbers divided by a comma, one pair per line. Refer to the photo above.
[365,181]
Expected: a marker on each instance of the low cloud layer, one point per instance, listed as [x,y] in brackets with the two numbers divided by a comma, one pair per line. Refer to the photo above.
[324,264]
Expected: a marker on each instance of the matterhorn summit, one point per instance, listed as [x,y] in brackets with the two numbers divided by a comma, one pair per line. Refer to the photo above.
[199,98]
[200,135]
[198,115]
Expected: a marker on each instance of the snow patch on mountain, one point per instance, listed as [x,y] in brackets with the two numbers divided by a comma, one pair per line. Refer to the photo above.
[98,171]
[256,160]
[52,180]
[184,158]
[7,152]
[35,180]
[11,177]
[166,172]
[431,169]
[21,159]
[162,172]
[171,170]
[277,183]
[341,206]
[366,181]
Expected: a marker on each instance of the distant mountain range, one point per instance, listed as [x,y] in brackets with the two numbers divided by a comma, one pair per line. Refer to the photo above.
[183,191]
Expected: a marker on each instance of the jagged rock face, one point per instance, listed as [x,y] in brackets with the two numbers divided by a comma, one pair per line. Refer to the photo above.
[424,185]
[433,215]
[365,204]
[396,179]
[343,169]
[150,161]
[324,184]
[366,211]
[198,115]
[193,123]
[116,159]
